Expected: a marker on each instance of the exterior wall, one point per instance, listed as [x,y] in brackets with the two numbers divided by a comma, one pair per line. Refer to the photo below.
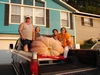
[2,18]
[86,32]
[54,19]
[53,5]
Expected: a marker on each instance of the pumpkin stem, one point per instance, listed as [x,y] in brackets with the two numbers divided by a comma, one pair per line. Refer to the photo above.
[49,48]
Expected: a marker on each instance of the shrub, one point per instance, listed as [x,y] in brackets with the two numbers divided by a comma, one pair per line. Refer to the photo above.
[87,44]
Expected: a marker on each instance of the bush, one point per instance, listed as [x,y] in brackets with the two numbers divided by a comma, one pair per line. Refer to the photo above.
[87,44]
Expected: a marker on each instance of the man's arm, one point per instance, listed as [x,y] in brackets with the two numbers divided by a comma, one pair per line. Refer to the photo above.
[33,33]
[20,31]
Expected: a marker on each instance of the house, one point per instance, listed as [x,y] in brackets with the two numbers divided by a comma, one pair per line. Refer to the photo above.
[87,27]
[47,14]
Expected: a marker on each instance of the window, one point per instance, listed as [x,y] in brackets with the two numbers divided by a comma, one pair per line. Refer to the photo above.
[16,1]
[20,8]
[28,11]
[39,3]
[64,19]
[28,2]
[86,21]
[39,16]
[15,14]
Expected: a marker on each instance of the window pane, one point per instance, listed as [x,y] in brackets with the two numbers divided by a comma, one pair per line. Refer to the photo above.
[28,11]
[16,1]
[39,20]
[28,2]
[86,19]
[39,16]
[39,12]
[16,10]
[15,14]
[65,23]
[31,19]
[64,15]
[15,18]
[38,3]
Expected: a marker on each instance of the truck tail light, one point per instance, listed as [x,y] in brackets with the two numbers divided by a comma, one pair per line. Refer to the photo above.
[34,64]
[34,67]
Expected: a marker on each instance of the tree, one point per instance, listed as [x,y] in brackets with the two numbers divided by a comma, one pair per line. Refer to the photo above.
[89,6]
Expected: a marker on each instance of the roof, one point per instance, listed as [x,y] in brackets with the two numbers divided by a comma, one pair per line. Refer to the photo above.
[87,14]
[64,4]
[75,11]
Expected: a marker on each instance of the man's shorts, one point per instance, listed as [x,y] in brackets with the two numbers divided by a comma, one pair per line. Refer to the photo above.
[26,42]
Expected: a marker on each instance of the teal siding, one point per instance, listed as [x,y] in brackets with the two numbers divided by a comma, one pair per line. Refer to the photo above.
[2,18]
[54,20]
[54,5]
[55,23]
[44,30]
[12,29]
[1,13]
[6,29]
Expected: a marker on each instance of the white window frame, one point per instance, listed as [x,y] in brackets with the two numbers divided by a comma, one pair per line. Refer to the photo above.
[16,14]
[39,15]
[22,12]
[68,19]
[22,2]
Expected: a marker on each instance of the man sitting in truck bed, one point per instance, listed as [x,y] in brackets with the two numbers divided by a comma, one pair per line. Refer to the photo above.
[27,34]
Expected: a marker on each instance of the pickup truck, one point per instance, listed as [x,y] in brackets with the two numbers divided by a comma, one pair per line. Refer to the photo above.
[78,61]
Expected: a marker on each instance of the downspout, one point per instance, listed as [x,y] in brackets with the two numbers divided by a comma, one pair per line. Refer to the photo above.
[74,30]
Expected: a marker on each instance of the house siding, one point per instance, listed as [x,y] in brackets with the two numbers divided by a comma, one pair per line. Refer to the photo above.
[54,19]
[86,32]
[53,5]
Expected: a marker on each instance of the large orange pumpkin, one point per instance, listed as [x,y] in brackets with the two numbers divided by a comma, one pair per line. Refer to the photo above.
[47,46]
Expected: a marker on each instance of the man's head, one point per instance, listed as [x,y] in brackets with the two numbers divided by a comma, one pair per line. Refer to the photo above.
[55,32]
[27,18]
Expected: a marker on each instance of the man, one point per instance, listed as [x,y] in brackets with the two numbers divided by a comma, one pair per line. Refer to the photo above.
[55,33]
[27,34]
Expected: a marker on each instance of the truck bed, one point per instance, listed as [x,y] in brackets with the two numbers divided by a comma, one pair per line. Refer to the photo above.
[78,61]
[63,69]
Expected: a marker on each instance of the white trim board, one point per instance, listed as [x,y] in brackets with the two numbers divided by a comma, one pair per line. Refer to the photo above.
[9,38]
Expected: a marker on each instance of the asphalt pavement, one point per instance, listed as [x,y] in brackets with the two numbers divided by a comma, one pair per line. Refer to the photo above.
[7,69]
